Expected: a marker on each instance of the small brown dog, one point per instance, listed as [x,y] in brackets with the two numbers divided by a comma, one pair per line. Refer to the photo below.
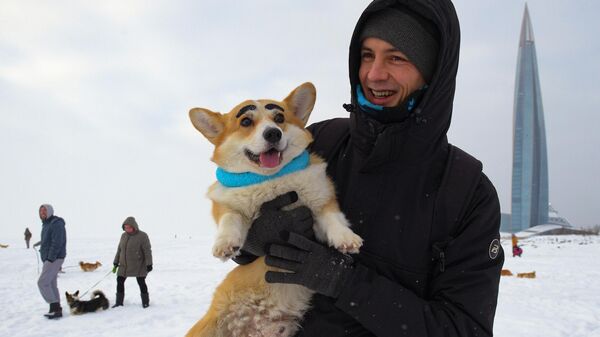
[89,266]
[3,246]
[506,272]
[526,275]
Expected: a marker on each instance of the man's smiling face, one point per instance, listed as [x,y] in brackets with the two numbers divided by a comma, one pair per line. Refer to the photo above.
[386,75]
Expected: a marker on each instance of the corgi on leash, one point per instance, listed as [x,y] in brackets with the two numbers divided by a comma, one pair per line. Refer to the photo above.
[86,266]
[261,151]
[77,306]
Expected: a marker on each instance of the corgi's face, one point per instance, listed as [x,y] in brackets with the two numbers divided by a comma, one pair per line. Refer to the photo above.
[259,136]
[72,297]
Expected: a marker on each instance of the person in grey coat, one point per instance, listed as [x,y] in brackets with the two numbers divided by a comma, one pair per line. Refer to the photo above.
[53,250]
[133,258]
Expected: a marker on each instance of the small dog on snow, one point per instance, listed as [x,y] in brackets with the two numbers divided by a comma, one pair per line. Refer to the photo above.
[259,138]
[85,266]
[77,306]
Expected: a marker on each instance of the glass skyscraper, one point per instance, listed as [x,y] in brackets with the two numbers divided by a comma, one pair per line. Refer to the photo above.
[530,159]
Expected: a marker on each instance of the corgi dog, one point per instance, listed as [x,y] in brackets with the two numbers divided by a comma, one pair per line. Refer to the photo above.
[3,246]
[254,146]
[506,272]
[77,306]
[89,266]
[526,275]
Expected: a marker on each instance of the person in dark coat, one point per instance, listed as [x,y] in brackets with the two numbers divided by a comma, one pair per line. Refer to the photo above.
[27,236]
[53,250]
[411,278]
[133,258]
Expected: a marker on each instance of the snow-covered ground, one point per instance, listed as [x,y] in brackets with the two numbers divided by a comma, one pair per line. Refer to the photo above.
[562,301]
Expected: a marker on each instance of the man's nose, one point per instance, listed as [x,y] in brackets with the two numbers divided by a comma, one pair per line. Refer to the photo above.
[378,71]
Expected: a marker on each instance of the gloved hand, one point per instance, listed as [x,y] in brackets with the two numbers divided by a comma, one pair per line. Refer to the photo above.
[267,228]
[149,268]
[317,267]
[115,267]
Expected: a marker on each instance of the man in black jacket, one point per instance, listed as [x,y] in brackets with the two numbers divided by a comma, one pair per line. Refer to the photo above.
[421,271]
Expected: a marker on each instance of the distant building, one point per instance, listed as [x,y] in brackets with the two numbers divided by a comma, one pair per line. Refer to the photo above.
[530,159]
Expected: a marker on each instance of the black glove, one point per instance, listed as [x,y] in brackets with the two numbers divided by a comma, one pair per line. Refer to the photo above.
[149,268]
[267,228]
[317,267]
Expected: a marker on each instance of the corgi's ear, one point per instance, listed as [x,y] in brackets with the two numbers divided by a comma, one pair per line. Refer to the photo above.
[76,293]
[207,122]
[302,100]
[67,293]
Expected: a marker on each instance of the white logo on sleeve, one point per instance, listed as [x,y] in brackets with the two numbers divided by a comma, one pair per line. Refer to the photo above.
[494,249]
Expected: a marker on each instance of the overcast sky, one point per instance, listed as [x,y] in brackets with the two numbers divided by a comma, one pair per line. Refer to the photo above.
[94,99]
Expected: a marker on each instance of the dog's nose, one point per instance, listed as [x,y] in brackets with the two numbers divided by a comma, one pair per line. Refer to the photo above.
[272,135]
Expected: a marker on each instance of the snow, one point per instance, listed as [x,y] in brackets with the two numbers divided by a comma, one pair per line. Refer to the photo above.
[562,301]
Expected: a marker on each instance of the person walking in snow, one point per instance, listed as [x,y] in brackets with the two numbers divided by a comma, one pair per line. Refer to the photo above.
[516,249]
[53,250]
[431,260]
[133,259]
[27,236]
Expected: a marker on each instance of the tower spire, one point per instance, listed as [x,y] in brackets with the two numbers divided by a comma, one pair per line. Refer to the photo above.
[526,29]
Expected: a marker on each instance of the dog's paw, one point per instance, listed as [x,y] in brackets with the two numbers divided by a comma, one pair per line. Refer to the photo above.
[346,241]
[226,247]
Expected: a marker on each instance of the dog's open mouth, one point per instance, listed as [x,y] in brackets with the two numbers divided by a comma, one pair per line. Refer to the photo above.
[269,159]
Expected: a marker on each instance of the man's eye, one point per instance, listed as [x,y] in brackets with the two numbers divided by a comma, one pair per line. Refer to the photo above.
[398,59]
[366,56]
[279,118]
[246,122]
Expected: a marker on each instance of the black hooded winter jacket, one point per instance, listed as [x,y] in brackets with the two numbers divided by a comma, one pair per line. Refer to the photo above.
[387,178]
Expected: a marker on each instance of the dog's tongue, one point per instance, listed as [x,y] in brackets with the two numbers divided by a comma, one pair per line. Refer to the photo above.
[270,158]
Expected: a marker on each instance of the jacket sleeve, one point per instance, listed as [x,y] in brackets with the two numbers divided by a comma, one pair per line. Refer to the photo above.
[116,260]
[461,301]
[58,239]
[147,250]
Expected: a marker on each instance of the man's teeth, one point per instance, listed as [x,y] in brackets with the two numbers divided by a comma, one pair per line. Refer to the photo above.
[382,93]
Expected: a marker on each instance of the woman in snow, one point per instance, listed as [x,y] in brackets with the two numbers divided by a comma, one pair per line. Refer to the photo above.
[133,258]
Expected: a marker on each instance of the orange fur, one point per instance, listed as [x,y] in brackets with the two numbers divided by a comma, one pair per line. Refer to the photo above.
[506,272]
[85,266]
[526,275]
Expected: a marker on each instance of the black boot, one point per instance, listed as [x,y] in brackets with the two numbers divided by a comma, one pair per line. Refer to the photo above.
[55,311]
[145,300]
[119,300]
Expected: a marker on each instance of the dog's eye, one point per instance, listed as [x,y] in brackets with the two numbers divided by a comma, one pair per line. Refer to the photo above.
[246,122]
[279,118]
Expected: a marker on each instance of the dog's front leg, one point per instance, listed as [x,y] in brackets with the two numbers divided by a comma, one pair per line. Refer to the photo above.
[231,233]
[331,226]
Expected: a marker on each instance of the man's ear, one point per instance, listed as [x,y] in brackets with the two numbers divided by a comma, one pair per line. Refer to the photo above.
[207,122]
[302,100]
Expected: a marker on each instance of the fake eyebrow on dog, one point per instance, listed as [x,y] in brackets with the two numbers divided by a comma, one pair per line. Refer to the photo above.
[272,106]
[244,109]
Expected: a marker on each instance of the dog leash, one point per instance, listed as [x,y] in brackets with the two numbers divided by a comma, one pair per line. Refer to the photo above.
[67,267]
[95,284]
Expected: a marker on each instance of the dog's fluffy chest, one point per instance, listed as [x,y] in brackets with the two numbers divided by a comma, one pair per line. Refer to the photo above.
[312,185]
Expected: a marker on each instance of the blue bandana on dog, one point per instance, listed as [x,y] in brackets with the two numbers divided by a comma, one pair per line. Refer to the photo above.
[229,179]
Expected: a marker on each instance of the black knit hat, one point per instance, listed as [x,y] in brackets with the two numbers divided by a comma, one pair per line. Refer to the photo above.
[409,33]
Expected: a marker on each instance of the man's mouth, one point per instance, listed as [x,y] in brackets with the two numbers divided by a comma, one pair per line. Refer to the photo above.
[382,93]
[268,159]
